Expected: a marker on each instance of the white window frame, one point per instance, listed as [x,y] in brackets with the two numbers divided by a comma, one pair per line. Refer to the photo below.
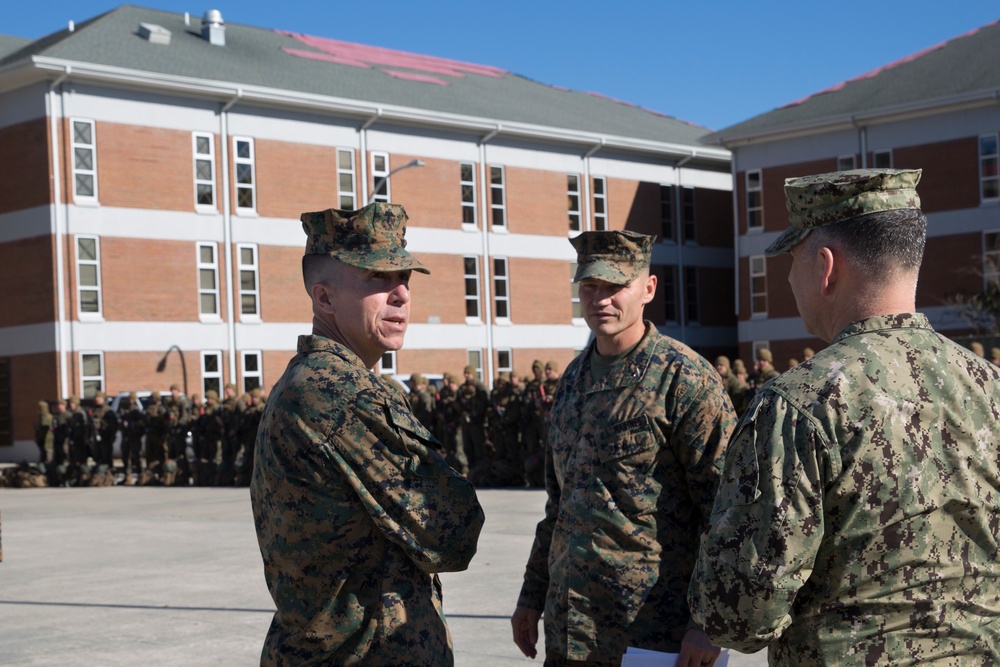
[381,175]
[253,269]
[84,378]
[668,213]
[80,287]
[207,375]
[257,374]
[882,153]
[498,190]
[475,358]
[689,214]
[691,295]
[991,258]
[576,310]
[600,197]
[573,203]
[478,317]
[984,158]
[250,163]
[501,278]
[204,182]
[757,269]
[347,200]
[208,266]
[846,162]
[76,146]
[392,367]
[759,208]
[468,187]
[509,366]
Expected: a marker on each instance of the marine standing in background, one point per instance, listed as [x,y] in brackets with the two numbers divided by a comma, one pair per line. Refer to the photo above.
[133,421]
[158,420]
[81,434]
[449,420]
[105,425]
[637,436]
[475,403]
[858,519]
[44,436]
[355,507]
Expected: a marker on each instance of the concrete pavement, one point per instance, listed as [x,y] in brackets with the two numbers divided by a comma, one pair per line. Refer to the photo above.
[171,576]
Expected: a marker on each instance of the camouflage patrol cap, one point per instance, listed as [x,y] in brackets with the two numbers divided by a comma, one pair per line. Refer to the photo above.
[503,376]
[616,257]
[74,399]
[825,199]
[764,354]
[417,378]
[722,360]
[211,393]
[551,366]
[536,364]
[175,387]
[449,378]
[470,369]
[154,397]
[370,238]
[99,394]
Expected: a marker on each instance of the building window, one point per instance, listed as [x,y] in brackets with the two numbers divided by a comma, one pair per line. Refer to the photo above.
[755,200]
[204,171]
[600,204]
[505,360]
[91,373]
[380,177]
[845,162]
[669,294]
[501,288]
[345,179]
[882,159]
[249,284]
[467,176]
[574,292]
[208,279]
[388,363]
[687,215]
[991,259]
[573,204]
[691,294]
[989,173]
[758,285]
[472,288]
[498,198]
[6,405]
[211,372]
[88,275]
[252,371]
[246,182]
[84,160]
[666,212]
[476,361]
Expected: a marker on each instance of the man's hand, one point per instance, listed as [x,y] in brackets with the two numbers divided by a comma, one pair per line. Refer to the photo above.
[524,623]
[697,650]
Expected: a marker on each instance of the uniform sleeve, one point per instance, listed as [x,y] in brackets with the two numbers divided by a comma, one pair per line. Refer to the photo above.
[766,527]
[536,573]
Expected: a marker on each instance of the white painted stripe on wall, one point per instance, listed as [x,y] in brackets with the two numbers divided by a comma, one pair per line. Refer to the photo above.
[147,336]
[532,247]
[145,223]
[636,171]
[671,254]
[712,180]
[425,144]
[527,158]
[294,128]
[22,105]
[28,339]
[134,107]
[25,224]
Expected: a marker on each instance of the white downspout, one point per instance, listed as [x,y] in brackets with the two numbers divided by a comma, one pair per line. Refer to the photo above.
[736,248]
[363,143]
[227,230]
[59,222]
[487,227]
[681,241]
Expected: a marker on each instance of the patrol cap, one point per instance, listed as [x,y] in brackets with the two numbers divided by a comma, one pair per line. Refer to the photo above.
[764,354]
[722,360]
[551,366]
[370,238]
[417,378]
[449,378]
[536,364]
[503,376]
[99,394]
[825,199]
[469,370]
[211,394]
[175,387]
[616,257]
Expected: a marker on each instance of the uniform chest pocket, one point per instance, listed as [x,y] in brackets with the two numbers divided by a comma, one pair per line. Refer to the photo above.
[417,450]
[628,454]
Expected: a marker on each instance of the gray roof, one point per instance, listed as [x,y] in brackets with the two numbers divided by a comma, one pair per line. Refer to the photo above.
[258,57]
[966,66]
[9,45]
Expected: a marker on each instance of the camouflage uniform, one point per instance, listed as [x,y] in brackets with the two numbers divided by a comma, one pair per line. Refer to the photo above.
[632,465]
[133,421]
[158,419]
[355,512]
[105,425]
[44,437]
[850,524]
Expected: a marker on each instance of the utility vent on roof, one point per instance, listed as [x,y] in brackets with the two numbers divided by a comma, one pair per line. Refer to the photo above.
[156,34]
[213,28]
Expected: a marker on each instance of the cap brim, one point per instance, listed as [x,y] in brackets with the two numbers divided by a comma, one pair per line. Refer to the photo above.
[606,271]
[398,260]
[789,238]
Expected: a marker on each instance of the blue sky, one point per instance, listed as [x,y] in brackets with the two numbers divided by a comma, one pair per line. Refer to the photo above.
[711,63]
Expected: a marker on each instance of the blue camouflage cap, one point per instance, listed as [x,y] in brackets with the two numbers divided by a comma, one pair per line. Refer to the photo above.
[370,238]
[825,199]
[617,257]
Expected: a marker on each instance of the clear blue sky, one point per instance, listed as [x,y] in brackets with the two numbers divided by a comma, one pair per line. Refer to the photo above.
[708,62]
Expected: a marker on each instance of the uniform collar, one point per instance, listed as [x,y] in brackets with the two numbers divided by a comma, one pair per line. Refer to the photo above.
[884,323]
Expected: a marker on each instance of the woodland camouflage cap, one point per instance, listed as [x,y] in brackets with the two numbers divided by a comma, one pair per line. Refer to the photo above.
[370,238]
[616,257]
[824,199]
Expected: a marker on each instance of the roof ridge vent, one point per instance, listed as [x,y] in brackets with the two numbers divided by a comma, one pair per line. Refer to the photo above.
[213,28]
[155,34]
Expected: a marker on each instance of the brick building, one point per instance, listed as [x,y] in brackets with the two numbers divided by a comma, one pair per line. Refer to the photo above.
[155,166]
[938,110]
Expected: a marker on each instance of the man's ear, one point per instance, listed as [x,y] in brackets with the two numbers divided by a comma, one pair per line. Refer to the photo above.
[830,265]
[650,289]
[322,297]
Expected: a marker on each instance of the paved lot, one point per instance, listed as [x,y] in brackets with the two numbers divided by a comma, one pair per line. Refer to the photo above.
[170,576]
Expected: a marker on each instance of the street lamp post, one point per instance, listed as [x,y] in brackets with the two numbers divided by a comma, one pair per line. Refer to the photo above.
[163,364]
[385,179]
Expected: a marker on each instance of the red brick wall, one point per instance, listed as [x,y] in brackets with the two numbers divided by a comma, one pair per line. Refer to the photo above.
[950,178]
[293,178]
[283,296]
[441,294]
[536,202]
[33,378]
[28,262]
[24,167]
[540,291]
[951,264]
[713,210]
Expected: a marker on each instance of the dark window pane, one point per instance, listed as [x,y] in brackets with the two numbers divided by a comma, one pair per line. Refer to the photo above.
[202,147]
[89,301]
[206,195]
[212,363]
[251,363]
[88,275]
[502,309]
[471,308]
[467,172]
[82,133]
[248,304]
[248,280]
[498,217]
[470,266]
[243,149]
[85,185]
[244,174]
[244,198]
[468,215]
[468,194]
[87,249]
[471,287]
[203,169]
